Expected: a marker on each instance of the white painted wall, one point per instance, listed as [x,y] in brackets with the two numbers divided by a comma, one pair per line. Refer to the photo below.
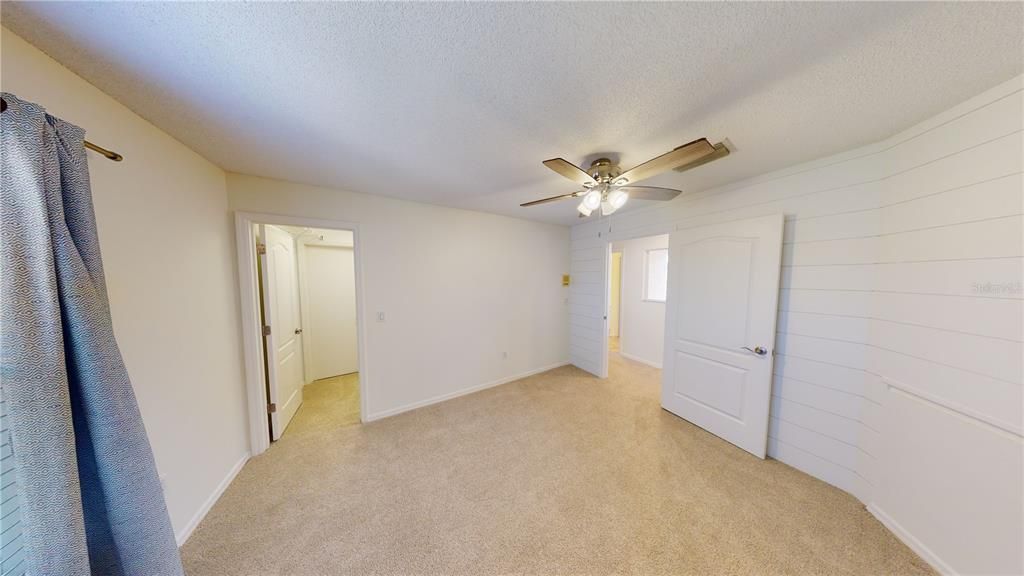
[329,282]
[455,285]
[168,252]
[643,321]
[304,237]
[321,236]
[898,374]
[459,290]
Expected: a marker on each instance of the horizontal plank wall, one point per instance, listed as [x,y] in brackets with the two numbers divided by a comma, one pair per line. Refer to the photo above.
[945,334]
[588,268]
[899,348]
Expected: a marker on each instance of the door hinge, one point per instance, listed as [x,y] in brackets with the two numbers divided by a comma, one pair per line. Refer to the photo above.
[271,408]
[261,248]
[266,330]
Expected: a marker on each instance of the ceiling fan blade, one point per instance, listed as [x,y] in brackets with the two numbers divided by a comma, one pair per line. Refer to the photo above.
[683,155]
[570,171]
[650,192]
[721,151]
[555,198]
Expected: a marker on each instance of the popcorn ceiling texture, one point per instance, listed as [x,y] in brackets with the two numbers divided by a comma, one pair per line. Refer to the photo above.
[457,104]
[558,473]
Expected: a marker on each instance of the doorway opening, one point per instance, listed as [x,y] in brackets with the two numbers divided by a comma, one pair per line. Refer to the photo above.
[614,297]
[302,325]
[637,292]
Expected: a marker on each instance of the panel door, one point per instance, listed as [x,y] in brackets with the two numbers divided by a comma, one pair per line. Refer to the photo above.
[720,328]
[284,343]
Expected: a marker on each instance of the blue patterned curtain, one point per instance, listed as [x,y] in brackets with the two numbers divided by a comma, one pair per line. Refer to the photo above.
[90,497]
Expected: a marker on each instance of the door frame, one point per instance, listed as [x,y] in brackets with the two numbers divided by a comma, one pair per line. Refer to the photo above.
[618,318]
[609,248]
[608,237]
[252,331]
[605,303]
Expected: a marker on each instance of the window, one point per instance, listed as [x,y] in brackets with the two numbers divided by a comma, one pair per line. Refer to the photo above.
[656,275]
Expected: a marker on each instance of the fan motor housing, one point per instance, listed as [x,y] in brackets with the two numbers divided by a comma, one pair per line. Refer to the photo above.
[604,170]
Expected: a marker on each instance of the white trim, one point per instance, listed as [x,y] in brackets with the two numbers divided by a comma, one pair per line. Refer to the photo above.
[259,429]
[994,424]
[640,360]
[304,321]
[252,348]
[907,538]
[463,392]
[183,535]
[606,299]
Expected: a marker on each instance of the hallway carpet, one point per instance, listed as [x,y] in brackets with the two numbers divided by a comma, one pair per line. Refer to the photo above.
[327,404]
[558,473]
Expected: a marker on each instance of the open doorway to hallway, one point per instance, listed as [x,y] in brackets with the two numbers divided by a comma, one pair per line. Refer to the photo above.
[308,308]
[304,352]
[638,279]
[614,297]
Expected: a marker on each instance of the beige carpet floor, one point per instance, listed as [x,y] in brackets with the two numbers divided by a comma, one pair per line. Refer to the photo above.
[327,404]
[559,473]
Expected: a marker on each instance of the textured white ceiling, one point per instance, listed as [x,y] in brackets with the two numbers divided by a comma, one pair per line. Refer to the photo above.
[457,104]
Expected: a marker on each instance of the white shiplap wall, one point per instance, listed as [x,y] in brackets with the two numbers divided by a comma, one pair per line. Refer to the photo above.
[588,268]
[900,322]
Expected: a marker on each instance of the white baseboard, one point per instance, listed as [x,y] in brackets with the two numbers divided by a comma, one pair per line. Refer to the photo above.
[640,360]
[187,530]
[456,394]
[913,543]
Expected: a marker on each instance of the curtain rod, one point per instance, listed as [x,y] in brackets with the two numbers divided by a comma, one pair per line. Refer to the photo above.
[110,154]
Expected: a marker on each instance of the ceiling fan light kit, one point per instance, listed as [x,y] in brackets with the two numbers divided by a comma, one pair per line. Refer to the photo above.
[617,198]
[607,187]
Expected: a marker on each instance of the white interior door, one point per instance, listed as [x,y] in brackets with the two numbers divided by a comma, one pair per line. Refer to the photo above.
[331,285]
[723,294]
[284,342]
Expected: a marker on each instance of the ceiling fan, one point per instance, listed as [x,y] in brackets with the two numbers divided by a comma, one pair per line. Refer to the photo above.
[607,187]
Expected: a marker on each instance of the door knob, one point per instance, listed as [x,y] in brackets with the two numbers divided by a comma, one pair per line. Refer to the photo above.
[760,351]
[298,330]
